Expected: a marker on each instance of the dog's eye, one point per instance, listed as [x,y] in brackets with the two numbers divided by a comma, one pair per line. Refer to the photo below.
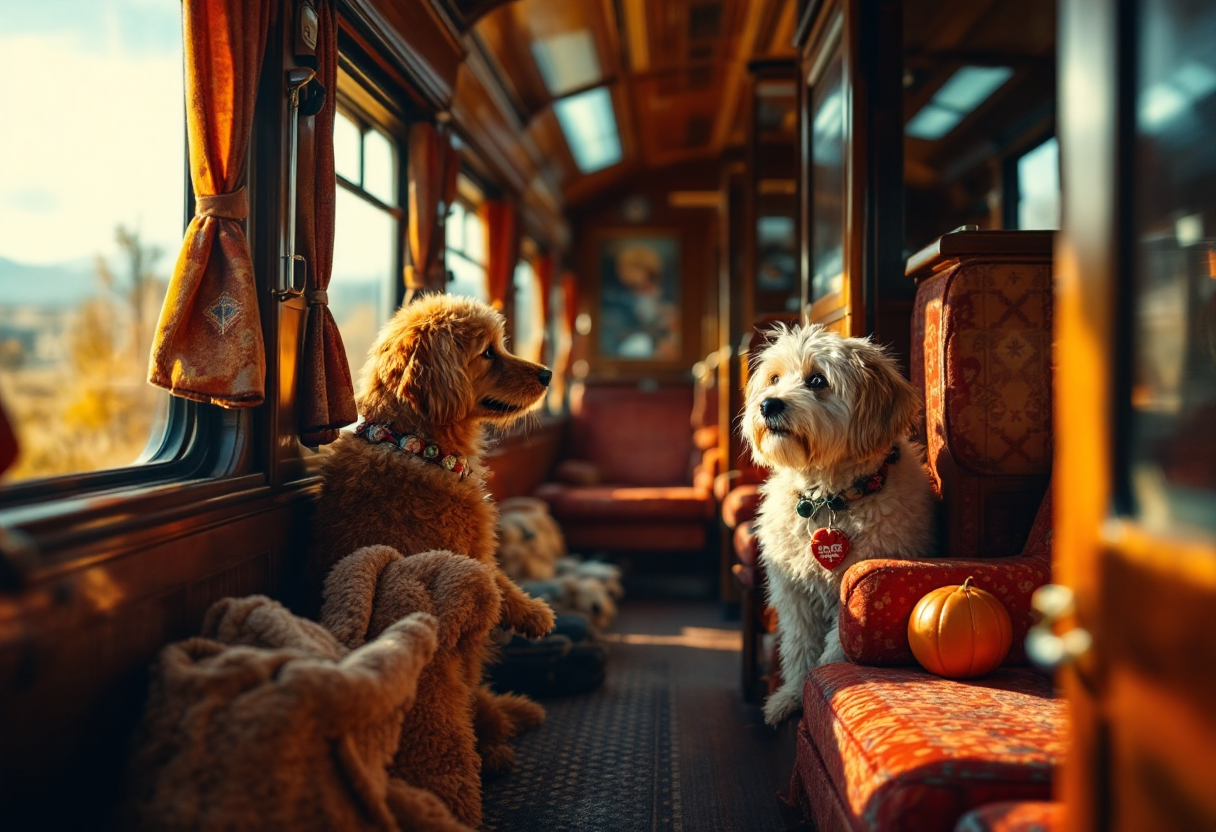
[774,379]
[489,352]
[816,381]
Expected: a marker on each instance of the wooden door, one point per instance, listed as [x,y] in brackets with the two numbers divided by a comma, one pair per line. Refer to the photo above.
[1136,410]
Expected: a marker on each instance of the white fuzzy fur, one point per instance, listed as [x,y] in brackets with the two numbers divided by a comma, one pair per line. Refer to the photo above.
[832,437]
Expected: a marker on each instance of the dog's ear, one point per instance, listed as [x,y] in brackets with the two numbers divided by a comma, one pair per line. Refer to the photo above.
[434,379]
[886,405]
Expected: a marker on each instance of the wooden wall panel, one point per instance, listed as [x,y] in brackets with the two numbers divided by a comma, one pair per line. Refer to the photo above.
[698,231]
[75,647]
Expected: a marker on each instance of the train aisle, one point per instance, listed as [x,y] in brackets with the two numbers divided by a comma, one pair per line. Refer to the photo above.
[665,744]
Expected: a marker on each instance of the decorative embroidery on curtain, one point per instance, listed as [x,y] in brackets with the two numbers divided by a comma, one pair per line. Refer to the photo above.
[326,393]
[433,167]
[208,342]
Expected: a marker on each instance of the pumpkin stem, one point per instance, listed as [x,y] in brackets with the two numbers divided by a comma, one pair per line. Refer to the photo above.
[967,583]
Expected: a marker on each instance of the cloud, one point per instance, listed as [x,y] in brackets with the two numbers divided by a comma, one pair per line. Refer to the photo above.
[92,137]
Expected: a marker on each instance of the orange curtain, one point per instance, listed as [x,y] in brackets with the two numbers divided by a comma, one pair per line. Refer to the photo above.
[433,167]
[543,265]
[326,393]
[502,248]
[570,296]
[208,343]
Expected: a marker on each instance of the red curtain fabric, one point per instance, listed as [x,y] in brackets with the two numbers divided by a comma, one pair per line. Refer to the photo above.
[433,167]
[326,393]
[8,441]
[543,265]
[208,342]
[502,249]
[570,296]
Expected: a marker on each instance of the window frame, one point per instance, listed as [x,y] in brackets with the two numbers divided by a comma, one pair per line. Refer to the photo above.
[472,207]
[179,447]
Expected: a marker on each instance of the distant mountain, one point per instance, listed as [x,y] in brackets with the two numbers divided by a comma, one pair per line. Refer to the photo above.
[61,284]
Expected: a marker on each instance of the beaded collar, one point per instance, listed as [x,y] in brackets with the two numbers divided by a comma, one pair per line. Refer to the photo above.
[377,433]
[811,503]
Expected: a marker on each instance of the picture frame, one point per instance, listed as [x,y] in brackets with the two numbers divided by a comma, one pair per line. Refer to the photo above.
[641,318]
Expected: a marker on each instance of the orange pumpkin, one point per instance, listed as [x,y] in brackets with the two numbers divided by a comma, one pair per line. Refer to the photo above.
[959,631]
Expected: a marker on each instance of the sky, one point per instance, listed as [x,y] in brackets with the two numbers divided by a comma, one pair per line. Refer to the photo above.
[93,127]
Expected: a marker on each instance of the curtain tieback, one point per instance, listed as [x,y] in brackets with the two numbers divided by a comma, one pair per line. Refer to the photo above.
[233,206]
[317,297]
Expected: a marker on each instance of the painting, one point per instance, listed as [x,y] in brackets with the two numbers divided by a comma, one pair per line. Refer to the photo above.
[640,297]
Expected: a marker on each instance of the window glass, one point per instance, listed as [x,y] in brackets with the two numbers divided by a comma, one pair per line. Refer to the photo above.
[347,149]
[466,259]
[379,178]
[529,325]
[360,291]
[1039,188]
[92,204]
[827,180]
[1172,460]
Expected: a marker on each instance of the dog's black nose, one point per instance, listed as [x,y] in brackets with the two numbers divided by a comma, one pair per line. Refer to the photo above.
[771,407]
[545,375]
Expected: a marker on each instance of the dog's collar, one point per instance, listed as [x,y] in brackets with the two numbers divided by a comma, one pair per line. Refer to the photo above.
[810,503]
[379,433]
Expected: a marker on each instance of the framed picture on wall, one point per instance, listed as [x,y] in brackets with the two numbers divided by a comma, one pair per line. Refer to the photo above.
[640,317]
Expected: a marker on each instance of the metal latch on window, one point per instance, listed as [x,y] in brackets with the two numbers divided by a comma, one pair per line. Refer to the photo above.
[305,97]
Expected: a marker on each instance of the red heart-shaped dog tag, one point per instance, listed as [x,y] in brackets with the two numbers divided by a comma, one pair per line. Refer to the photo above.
[830,547]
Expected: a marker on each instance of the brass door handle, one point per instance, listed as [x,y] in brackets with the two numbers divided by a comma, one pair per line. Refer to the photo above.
[1047,649]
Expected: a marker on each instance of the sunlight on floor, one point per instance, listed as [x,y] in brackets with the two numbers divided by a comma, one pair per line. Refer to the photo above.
[702,638]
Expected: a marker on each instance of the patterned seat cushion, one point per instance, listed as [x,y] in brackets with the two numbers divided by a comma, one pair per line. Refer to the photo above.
[900,749]
[1024,816]
[877,596]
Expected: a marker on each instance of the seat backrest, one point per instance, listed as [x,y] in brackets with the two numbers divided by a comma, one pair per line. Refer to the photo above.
[982,358]
[635,436]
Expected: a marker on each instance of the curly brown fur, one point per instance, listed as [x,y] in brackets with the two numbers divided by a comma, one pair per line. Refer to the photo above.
[438,369]
[269,723]
[498,719]
[375,586]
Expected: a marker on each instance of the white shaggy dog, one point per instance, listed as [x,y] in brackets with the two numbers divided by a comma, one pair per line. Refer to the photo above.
[830,416]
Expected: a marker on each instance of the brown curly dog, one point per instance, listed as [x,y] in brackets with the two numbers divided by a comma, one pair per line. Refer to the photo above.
[412,477]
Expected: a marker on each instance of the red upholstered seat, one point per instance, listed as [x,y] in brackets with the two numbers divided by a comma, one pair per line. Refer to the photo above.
[888,750]
[640,443]
[740,505]
[877,596]
[624,502]
[1021,816]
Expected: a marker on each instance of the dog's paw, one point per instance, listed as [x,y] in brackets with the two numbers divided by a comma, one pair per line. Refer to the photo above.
[535,620]
[497,759]
[782,705]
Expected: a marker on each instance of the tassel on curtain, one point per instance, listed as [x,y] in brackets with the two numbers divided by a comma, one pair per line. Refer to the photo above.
[326,393]
[208,342]
[502,250]
[433,167]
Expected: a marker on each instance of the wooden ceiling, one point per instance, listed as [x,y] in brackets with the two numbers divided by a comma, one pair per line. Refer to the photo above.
[676,69]
[940,36]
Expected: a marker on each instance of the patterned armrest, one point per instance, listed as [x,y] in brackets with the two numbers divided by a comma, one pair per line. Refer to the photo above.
[877,597]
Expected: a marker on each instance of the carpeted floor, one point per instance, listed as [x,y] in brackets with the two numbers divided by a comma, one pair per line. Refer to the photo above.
[666,744]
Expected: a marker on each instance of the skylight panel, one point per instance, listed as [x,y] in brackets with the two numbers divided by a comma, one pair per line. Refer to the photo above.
[567,62]
[966,89]
[589,123]
[932,122]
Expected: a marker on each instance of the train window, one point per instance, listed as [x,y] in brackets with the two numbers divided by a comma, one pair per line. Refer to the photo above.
[466,252]
[1038,187]
[367,234]
[827,141]
[92,210]
[529,316]
[1173,390]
